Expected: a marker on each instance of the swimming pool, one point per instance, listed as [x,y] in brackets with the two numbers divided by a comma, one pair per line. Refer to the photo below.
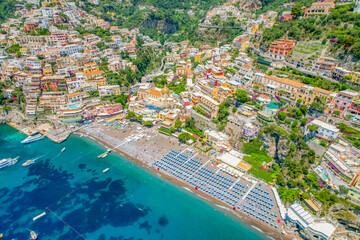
[324,177]
[73,107]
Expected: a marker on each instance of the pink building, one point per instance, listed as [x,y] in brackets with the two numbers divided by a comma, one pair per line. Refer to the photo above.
[56,38]
[346,101]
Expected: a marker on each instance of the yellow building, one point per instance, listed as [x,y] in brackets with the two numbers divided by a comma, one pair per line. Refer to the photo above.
[100,81]
[5,77]
[90,67]
[24,50]
[355,76]
[355,195]
[11,69]
[291,89]
[245,44]
[47,70]
[52,100]
[197,57]
[169,117]
[255,28]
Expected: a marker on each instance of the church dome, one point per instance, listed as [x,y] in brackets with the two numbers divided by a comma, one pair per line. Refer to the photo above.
[165,90]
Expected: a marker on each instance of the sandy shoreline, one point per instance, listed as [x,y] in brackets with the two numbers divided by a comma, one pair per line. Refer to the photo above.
[257,224]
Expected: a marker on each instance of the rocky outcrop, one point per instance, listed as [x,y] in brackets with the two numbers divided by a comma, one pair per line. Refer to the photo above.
[234,136]
[249,4]
[160,25]
[9,117]
[276,146]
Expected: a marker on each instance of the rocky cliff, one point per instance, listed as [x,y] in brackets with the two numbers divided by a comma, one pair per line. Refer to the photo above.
[160,25]
[249,4]
[11,116]
[348,217]
[275,145]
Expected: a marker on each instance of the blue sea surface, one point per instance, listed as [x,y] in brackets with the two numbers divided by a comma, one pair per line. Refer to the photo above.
[80,201]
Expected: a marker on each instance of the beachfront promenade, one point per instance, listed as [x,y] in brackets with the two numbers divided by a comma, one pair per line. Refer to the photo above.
[190,166]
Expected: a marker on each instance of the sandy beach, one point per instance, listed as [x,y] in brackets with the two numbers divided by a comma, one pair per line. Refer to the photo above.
[146,152]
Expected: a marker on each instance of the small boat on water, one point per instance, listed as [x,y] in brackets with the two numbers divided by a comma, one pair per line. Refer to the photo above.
[62,150]
[8,162]
[33,235]
[39,216]
[28,162]
[103,155]
[33,138]
[105,170]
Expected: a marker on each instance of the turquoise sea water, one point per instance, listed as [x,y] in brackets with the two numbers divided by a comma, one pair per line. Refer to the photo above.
[127,202]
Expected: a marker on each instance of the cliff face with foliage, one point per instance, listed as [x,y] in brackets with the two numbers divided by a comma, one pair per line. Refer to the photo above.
[7,9]
[275,144]
[161,25]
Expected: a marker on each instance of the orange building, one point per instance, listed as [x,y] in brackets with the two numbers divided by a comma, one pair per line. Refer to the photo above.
[281,48]
[319,8]
[29,26]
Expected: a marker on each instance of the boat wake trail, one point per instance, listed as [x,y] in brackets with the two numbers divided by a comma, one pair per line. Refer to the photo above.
[58,155]
[34,159]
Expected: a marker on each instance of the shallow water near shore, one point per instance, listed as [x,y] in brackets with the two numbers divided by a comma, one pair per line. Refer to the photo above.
[126,202]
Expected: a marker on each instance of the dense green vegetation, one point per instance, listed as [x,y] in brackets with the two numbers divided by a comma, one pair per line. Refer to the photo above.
[7,9]
[350,134]
[261,173]
[346,129]
[133,116]
[257,159]
[146,60]
[122,98]
[190,127]
[258,156]
[254,147]
[183,137]
[167,131]
[223,113]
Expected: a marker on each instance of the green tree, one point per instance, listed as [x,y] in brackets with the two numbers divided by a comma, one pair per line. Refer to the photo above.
[344,189]
[147,123]
[190,123]
[234,109]
[183,137]
[139,41]
[304,109]
[178,124]
[305,195]
[94,93]
[337,112]
[242,96]
[304,121]
[296,11]
[323,142]
[130,114]
[282,115]
[313,128]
